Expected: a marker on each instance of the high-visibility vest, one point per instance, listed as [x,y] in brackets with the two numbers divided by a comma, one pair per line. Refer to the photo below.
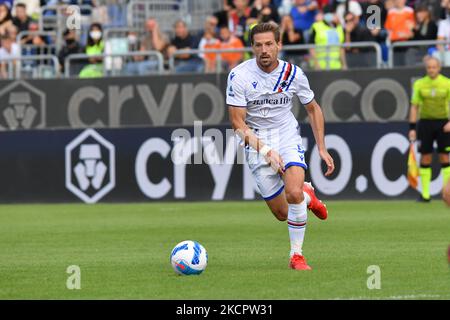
[328,58]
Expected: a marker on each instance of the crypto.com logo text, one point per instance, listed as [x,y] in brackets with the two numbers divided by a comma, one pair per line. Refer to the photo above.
[211,146]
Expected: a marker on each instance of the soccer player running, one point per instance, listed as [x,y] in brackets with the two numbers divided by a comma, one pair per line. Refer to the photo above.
[431,95]
[259,99]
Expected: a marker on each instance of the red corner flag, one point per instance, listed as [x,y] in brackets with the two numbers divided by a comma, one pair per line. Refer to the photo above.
[413,169]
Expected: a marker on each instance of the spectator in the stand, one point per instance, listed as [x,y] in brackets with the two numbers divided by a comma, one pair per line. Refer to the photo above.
[264,11]
[39,42]
[183,40]
[303,15]
[71,46]
[285,6]
[443,10]
[9,50]
[434,6]
[400,24]
[222,15]
[238,18]
[327,31]
[209,41]
[21,20]
[12,32]
[5,18]
[426,28]
[291,36]
[153,38]
[344,6]
[95,46]
[356,32]
[380,4]
[212,25]
[444,28]
[33,8]
[229,41]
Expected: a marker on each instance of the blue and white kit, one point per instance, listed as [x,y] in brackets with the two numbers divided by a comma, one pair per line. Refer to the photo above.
[268,100]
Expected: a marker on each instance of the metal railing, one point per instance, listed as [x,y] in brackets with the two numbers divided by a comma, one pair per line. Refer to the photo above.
[166,12]
[122,31]
[16,68]
[323,49]
[412,44]
[112,70]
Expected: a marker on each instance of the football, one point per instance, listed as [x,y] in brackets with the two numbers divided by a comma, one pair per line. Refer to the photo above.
[188,258]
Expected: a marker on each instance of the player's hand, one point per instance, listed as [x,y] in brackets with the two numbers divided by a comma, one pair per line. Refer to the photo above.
[275,161]
[447,127]
[328,160]
[412,135]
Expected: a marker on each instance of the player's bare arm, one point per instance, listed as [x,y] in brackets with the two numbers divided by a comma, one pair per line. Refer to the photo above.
[318,126]
[237,119]
[412,135]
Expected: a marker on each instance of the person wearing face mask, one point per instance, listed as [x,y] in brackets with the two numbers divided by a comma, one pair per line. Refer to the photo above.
[95,46]
[71,46]
[327,31]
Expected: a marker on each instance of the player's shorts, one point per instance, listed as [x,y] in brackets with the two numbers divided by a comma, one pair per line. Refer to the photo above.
[269,182]
[429,131]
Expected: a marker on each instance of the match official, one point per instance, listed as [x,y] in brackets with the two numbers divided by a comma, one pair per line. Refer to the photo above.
[430,99]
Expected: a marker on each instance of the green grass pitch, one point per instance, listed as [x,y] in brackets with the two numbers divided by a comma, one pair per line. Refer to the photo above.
[123,251]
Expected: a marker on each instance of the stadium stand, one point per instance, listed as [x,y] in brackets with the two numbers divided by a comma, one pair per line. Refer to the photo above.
[401,31]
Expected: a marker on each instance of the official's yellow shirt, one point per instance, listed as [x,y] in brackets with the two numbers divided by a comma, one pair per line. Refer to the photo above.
[432,97]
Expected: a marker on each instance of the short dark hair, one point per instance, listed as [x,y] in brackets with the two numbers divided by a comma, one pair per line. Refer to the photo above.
[265,27]
[21,4]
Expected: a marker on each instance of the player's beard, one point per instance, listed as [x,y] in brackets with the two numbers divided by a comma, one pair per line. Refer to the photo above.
[266,61]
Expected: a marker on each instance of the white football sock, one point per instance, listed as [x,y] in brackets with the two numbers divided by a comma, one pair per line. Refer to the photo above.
[297,216]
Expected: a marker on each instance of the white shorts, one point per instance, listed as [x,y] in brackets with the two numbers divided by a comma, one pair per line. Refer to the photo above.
[269,182]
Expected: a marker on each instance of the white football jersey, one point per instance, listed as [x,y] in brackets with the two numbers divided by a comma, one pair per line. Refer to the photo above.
[268,96]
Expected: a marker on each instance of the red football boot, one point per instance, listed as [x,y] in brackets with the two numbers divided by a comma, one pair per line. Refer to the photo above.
[316,206]
[298,262]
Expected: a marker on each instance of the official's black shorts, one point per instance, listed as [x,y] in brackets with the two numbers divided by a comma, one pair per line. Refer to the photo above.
[429,131]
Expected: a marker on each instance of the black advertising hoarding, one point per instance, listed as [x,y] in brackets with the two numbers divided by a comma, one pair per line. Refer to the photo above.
[350,96]
[137,164]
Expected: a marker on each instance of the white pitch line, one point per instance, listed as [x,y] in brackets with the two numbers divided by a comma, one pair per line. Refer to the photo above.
[410,296]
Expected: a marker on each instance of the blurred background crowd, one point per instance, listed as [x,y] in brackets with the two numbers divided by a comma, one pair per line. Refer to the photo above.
[312,31]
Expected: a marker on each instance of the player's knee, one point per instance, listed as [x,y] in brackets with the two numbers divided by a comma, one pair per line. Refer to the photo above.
[294,195]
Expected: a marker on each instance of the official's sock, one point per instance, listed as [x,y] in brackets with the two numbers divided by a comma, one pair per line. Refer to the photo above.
[425,178]
[297,217]
[307,198]
[445,170]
